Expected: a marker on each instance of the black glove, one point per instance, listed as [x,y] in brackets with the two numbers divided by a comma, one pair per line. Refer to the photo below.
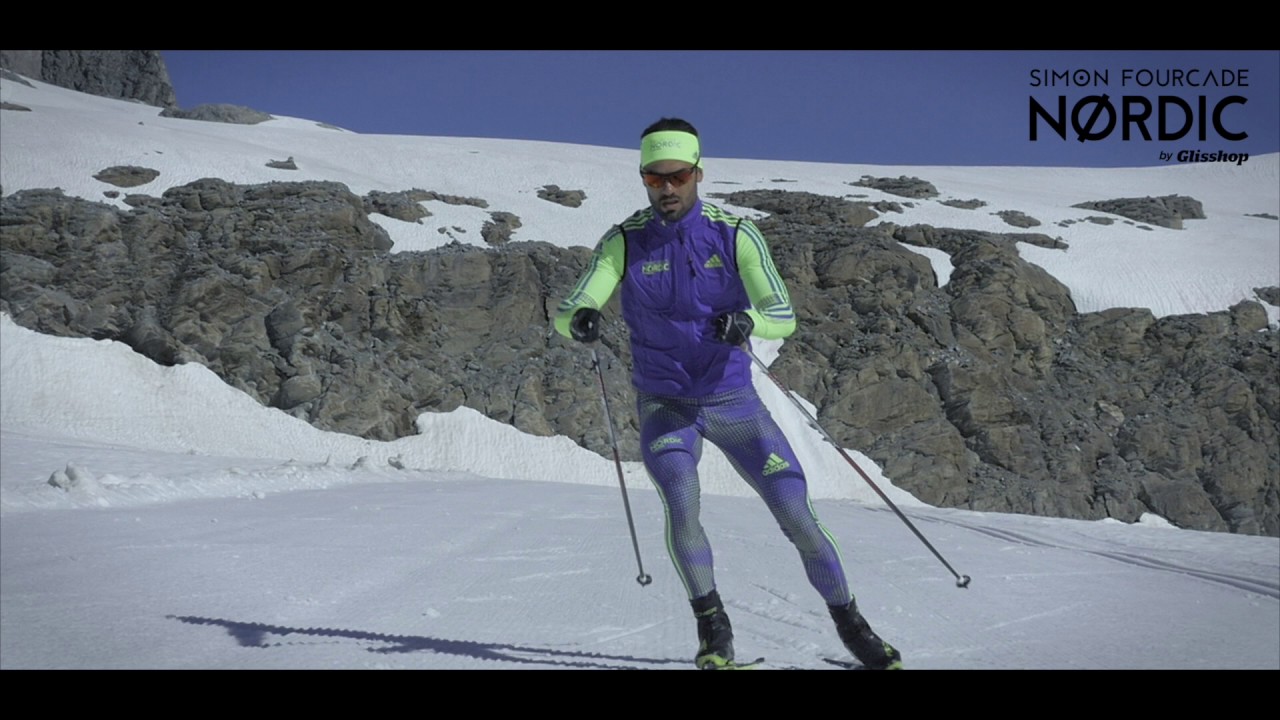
[585,325]
[734,328]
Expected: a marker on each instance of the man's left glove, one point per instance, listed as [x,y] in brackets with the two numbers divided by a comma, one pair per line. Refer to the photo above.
[734,328]
[585,325]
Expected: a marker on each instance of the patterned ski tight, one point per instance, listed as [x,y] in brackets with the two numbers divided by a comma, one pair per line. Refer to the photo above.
[671,434]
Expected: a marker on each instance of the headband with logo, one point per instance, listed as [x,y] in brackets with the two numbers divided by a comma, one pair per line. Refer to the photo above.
[669,145]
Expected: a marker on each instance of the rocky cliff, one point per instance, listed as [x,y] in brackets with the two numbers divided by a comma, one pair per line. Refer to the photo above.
[992,393]
[124,74]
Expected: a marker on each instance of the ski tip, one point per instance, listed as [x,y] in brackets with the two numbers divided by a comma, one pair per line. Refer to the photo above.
[715,662]
[854,665]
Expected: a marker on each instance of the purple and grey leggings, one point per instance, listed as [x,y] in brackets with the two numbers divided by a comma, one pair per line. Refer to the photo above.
[671,434]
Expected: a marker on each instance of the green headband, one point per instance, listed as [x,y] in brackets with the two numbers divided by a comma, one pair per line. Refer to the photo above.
[669,145]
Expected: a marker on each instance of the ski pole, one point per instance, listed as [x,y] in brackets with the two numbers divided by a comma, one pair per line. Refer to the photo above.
[643,578]
[962,581]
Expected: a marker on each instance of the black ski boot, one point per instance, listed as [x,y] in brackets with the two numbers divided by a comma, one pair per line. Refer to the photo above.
[715,634]
[871,651]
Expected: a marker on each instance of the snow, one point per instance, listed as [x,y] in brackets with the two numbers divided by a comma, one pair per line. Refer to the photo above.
[155,518]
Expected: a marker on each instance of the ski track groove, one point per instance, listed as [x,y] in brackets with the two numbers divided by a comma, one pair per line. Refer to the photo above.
[1237,582]
[1253,585]
[1037,616]
[784,597]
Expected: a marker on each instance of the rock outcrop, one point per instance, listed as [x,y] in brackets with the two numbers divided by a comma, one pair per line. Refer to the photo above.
[1168,211]
[219,112]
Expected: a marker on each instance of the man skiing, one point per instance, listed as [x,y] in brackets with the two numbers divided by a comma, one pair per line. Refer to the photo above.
[697,283]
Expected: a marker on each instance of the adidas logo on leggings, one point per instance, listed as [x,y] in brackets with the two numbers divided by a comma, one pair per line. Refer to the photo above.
[775,464]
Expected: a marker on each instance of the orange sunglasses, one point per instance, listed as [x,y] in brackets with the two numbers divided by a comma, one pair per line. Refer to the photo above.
[677,178]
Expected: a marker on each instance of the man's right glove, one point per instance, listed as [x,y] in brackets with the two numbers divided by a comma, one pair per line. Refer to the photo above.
[734,328]
[585,325]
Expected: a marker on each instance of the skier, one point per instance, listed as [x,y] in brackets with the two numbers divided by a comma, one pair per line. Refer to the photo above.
[697,282]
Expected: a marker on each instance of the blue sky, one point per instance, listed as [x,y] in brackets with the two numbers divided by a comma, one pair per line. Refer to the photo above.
[891,107]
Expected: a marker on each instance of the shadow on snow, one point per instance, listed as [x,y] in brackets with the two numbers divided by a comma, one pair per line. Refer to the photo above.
[253,634]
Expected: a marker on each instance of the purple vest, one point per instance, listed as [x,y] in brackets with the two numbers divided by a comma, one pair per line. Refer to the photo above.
[679,277]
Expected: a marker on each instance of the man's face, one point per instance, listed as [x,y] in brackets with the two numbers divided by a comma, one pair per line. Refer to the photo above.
[676,187]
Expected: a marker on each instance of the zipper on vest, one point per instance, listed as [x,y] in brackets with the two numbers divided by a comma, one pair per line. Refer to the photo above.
[688,253]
